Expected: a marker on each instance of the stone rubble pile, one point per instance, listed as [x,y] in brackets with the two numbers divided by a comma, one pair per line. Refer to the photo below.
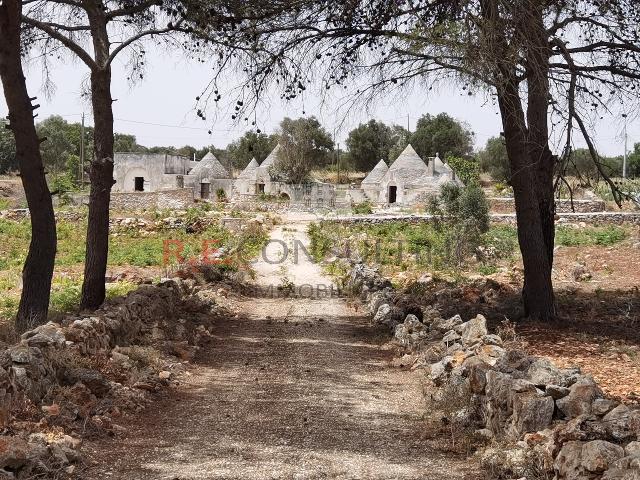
[50,369]
[558,416]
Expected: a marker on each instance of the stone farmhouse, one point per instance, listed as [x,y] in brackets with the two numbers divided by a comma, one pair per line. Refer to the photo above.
[154,172]
[408,180]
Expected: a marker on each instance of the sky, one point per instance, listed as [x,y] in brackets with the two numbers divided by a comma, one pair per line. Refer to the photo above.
[159,110]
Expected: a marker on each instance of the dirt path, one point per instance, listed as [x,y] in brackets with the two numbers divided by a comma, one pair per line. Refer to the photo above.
[297,388]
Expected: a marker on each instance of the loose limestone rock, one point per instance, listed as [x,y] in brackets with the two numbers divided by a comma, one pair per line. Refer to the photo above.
[411,332]
[474,330]
[443,326]
[542,372]
[598,455]
[602,406]
[580,398]
[623,423]
[531,413]
[633,449]
[490,354]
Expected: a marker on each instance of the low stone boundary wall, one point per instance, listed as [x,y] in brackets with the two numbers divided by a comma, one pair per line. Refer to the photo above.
[594,218]
[36,366]
[546,419]
[160,200]
[507,205]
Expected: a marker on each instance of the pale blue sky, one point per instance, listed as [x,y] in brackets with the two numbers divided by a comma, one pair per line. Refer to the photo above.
[167,96]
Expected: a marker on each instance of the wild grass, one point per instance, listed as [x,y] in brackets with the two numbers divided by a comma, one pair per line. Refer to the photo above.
[402,246]
[589,236]
[130,247]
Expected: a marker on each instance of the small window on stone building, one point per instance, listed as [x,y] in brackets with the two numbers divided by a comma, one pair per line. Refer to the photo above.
[138,184]
[180,181]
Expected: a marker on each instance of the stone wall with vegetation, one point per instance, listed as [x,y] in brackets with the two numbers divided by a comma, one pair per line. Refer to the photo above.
[534,420]
[79,374]
[508,218]
[563,205]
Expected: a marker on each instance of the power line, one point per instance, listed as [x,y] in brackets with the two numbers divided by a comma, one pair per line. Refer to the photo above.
[162,125]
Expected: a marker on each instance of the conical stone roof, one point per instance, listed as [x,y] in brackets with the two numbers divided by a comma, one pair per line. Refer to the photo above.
[271,159]
[209,167]
[375,175]
[408,160]
[250,170]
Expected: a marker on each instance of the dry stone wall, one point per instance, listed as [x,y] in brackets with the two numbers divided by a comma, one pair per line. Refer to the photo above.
[38,365]
[507,205]
[527,405]
[505,218]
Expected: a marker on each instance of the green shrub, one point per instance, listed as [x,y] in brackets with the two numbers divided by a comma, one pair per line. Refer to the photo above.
[363,208]
[462,216]
[320,243]
[65,294]
[467,169]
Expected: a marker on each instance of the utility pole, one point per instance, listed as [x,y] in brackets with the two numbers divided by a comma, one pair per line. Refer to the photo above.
[408,129]
[82,151]
[624,158]
[338,163]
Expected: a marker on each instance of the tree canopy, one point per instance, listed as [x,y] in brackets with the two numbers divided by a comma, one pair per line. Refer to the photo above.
[517,50]
[251,145]
[371,142]
[441,134]
[494,160]
[304,145]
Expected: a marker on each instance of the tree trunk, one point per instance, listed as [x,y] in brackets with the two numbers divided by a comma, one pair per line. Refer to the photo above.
[38,267]
[538,52]
[535,229]
[537,291]
[101,175]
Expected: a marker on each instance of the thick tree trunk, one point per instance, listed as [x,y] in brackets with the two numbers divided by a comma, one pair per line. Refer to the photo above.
[38,267]
[538,53]
[101,175]
[526,147]
[537,293]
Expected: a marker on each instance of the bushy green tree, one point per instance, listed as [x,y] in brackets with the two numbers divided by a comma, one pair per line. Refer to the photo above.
[494,161]
[304,145]
[8,161]
[371,142]
[62,140]
[251,145]
[441,134]
[126,143]
[633,162]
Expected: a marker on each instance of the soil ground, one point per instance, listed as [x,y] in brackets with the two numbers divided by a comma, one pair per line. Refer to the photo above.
[290,388]
[599,319]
